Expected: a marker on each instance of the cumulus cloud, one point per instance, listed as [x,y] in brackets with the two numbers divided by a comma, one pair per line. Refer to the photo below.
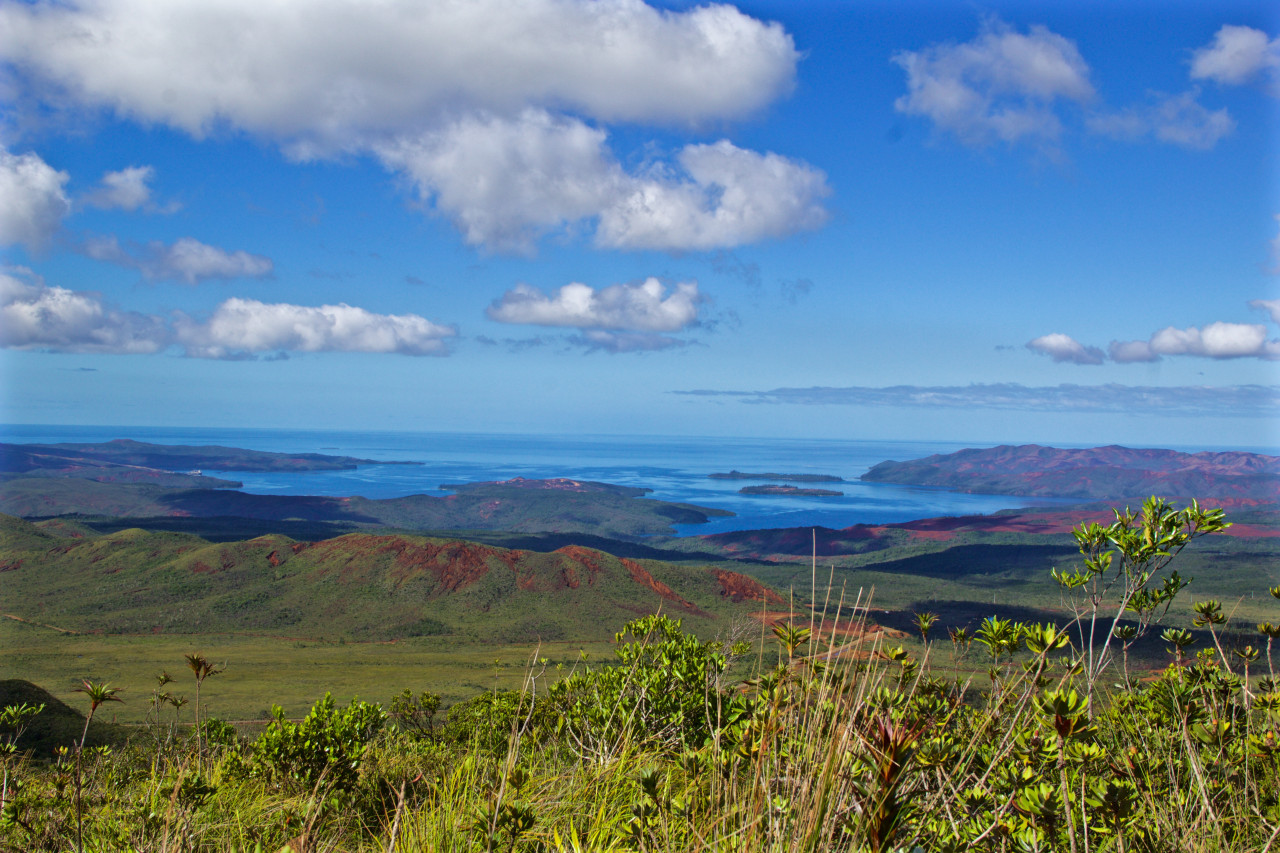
[330,73]
[641,307]
[241,327]
[727,196]
[186,260]
[127,189]
[1235,56]
[1215,340]
[1003,85]
[33,200]
[491,108]
[1062,348]
[1176,119]
[507,181]
[1195,400]
[36,316]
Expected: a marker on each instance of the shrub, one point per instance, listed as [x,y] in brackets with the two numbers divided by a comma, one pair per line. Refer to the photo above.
[324,750]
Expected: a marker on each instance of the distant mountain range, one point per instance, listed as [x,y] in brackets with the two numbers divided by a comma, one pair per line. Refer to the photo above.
[1097,474]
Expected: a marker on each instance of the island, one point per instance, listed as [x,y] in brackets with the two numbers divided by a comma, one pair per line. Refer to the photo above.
[790,491]
[794,478]
[1111,473]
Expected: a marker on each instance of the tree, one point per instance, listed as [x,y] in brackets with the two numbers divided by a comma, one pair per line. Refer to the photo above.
[1123,563]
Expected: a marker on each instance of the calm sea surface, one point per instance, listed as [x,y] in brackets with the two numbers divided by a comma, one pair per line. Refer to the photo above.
[675,468]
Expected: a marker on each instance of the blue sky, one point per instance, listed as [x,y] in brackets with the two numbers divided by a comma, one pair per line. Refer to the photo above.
[1052,222]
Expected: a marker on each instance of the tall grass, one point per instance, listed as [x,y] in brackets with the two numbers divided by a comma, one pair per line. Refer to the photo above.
[834,741]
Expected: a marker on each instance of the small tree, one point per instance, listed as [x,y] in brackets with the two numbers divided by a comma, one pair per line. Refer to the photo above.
[202,669]
[98,693]
[1123,563]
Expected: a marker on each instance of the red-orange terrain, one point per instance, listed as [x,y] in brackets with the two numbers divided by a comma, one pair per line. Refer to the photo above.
[362,585]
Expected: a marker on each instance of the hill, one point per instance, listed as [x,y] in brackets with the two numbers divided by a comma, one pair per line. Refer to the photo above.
[1110,473]
[123,452]
[362,585]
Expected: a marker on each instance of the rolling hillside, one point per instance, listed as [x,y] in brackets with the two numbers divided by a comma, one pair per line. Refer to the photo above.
[360,585]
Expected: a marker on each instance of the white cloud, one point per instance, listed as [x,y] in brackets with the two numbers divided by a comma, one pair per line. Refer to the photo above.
[1216,340]
[642,307]
[1235,56]
[186,260]
[1064,348]
[127,189]
[245,327]
[730,196]
[488,106]
[1270,306]
[35,316]
[1127,352]
[1182,120]
[1002,85]
[1193,400]
[1176,119]
[33,201]
[505,182]
[330,73]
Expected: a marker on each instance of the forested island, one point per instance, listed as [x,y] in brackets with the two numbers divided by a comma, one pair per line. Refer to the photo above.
[790,491]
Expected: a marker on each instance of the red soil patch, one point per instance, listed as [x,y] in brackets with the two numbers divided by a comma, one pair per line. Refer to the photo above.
[741,588]
[588,559]
[454,565]
[641,576]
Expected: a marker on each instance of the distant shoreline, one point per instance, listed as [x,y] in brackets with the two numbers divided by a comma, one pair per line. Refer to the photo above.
[794,478]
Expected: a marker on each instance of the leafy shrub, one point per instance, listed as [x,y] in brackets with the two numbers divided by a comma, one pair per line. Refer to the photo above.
[324,749]
[663,690]
[487,722]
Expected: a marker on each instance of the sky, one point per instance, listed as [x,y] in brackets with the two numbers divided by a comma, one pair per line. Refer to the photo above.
[990,222]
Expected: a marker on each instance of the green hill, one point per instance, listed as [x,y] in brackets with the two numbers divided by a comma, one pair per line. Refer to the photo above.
[360,585]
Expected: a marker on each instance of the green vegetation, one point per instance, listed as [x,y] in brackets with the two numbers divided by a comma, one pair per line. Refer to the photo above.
[791,491]
[359,586]
[519,507]
[830,745]
[975,723]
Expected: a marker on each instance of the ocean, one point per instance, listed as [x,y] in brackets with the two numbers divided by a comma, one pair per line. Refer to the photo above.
[674,468]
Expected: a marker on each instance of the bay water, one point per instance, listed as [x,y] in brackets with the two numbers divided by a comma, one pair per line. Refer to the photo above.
[675,468]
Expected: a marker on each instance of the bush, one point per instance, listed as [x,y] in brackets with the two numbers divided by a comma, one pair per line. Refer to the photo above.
[324,749]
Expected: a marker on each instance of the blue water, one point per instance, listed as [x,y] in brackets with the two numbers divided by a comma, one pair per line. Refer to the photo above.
[675,468]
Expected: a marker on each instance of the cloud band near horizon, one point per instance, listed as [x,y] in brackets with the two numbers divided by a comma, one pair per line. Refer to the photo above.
[1261,401]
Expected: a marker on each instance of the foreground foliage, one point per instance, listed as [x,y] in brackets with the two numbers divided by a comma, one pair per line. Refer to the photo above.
[834,742]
